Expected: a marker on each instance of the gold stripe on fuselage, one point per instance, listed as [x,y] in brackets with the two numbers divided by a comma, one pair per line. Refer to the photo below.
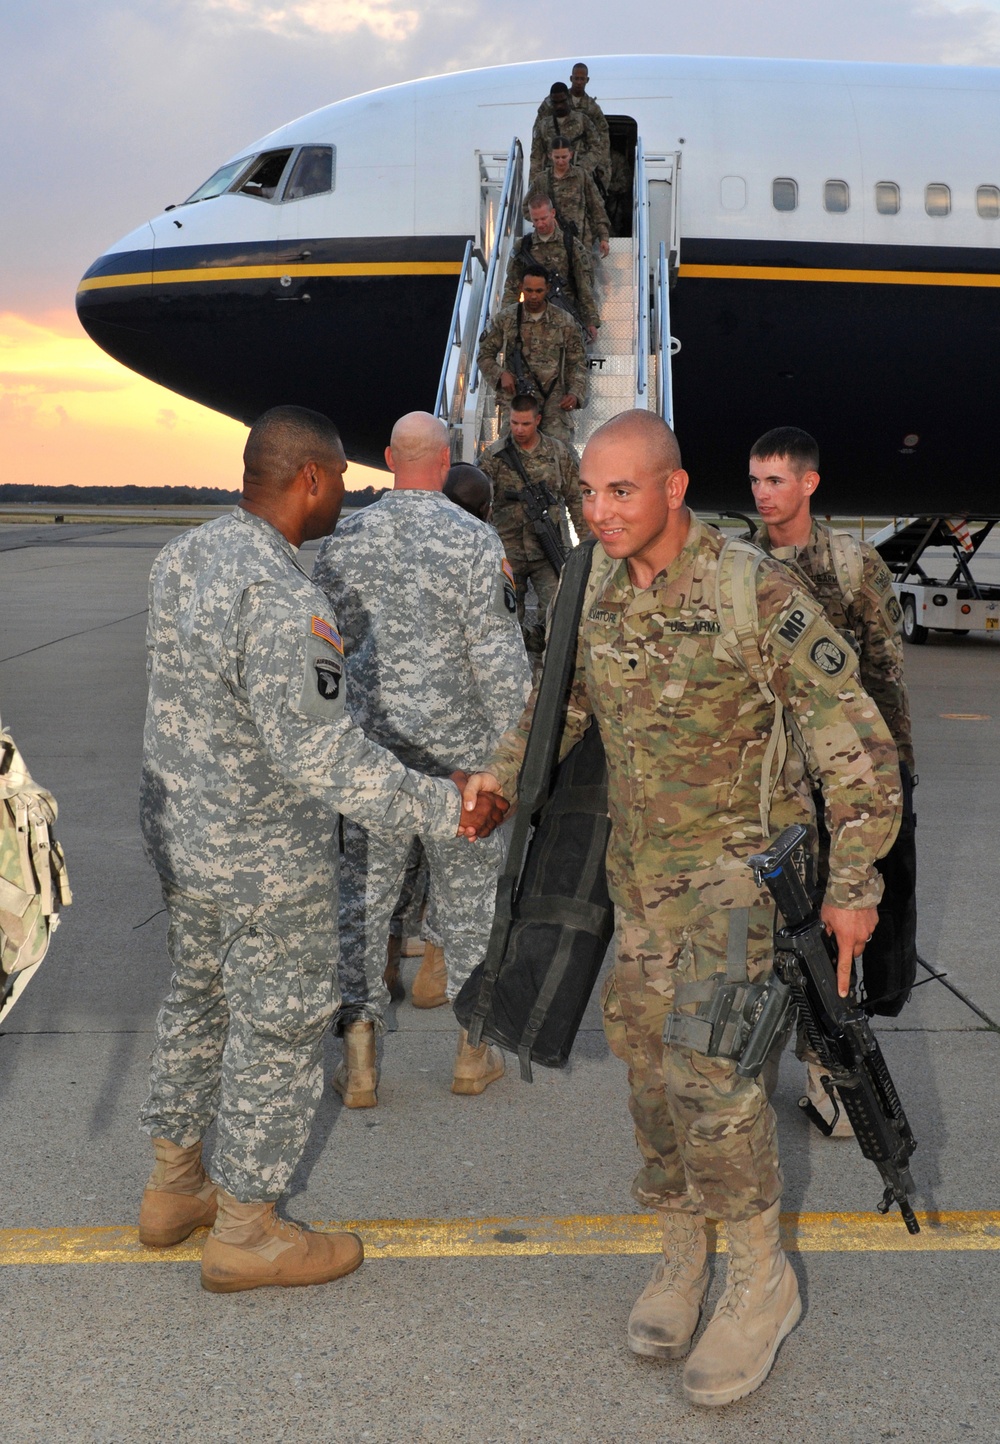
[822,273]
[271,273]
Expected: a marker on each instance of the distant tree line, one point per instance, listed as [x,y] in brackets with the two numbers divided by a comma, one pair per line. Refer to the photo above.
[14,494]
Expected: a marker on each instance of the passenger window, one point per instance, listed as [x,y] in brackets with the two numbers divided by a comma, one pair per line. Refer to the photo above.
[312,173]
[937,200]
[784,194]
[836,196]
[265,173]
[988,202]
[221,181]
[732,193]
[887,198]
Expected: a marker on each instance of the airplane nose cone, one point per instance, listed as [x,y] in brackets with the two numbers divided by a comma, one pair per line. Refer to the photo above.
[114,302]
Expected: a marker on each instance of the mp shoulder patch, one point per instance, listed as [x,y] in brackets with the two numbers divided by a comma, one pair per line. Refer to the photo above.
[794,625]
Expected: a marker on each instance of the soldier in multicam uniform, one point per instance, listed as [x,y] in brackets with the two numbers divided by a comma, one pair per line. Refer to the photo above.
[248,754]
[553,363]
[863,608]
[686,730]
[562,258]
[549,464]
[576,199]
[579,99]
[577,118]
[436,671]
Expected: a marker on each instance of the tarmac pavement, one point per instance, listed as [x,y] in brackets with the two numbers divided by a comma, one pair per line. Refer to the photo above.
[895,1343]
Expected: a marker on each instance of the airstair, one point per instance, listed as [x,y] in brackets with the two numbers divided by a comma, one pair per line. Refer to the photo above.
[629,363]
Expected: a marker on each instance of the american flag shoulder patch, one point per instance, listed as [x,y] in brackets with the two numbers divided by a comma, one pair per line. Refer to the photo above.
[507,570]
[320,628]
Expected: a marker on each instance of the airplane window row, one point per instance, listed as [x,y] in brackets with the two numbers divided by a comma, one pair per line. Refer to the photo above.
[309,171]
[888,200]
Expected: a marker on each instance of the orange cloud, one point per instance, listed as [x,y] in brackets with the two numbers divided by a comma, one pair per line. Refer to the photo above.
[70,414]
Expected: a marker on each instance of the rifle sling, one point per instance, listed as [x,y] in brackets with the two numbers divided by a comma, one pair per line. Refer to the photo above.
[544,392]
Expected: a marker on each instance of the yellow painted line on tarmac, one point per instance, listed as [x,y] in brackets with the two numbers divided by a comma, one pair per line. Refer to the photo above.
[966,716]
[577,1235]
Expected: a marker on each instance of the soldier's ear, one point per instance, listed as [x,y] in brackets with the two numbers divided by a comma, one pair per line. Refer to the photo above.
[811,481]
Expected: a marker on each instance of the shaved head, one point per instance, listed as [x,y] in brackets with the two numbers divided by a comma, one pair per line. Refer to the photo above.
[646,431]
[417,435]
[283,441]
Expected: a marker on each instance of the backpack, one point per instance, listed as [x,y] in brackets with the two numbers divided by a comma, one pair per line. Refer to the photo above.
[33,881]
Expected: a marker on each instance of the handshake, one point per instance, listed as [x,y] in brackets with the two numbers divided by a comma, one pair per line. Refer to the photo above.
[483,808]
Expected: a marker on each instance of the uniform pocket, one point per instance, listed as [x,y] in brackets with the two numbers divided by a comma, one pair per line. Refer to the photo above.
[614,1019]
[285,994]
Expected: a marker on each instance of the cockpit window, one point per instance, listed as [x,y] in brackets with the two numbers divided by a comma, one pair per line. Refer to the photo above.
[221,181]
[312,174]
[265,174]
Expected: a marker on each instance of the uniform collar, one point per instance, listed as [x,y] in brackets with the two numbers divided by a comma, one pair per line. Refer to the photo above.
[670,588]
[267,531]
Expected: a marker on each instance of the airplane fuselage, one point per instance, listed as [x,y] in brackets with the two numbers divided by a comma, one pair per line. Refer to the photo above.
[839,265]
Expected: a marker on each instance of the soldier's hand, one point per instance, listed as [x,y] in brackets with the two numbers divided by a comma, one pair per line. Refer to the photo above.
[852,928]
[569,403]
[592,332]
[508,382]
[483,809]
[604,247]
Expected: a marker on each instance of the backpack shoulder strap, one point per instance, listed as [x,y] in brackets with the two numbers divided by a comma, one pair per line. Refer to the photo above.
[848,563]
[736,608]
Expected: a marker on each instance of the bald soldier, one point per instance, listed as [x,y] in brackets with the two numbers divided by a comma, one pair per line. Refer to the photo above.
[686,726]
[249,753]
[436,669]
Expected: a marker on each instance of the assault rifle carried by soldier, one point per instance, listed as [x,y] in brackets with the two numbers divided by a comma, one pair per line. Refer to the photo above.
[563,259]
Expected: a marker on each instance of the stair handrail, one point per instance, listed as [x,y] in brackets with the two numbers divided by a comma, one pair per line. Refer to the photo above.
[508,221]
[640,232]
[450,401]
[664,341]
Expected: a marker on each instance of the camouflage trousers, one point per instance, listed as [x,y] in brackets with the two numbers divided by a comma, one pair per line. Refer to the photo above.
[707,1136]
[239,1035]
[412,915]
[543,579]
[463,882]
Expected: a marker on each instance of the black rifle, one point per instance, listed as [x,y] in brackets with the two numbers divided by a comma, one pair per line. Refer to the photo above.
[527,383]
[536,500]
[838,1031]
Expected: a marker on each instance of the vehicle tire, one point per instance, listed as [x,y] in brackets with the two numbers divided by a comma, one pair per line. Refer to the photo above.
[912,630]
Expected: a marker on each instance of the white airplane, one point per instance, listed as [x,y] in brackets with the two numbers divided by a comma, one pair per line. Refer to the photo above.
[832,257]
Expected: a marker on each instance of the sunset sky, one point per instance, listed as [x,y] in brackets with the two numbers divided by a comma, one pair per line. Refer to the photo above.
[113,110]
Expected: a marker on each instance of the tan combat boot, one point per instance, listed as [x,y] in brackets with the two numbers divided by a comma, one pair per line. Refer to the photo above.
[475,1068]
[179,1196]
[665,1316]
[430,986]
[821,1101]
[357,1077]
[759,1306]
[392,977]
[250,1247]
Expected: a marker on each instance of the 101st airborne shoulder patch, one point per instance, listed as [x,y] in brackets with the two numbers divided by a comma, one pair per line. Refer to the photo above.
[504,593]
[322,694]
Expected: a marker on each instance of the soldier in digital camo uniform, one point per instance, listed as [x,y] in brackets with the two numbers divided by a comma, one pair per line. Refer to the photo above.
[853,585]
[436,671]
[686,731]
[249,752]
[543,343]
[548,464]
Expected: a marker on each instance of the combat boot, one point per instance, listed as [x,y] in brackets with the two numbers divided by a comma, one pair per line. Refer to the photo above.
[665,1315]
[250,1247]
[759,1306]
[178,1198]
[392,977]
[430,986]
[475,1068]
[356,1079]
[822,1102]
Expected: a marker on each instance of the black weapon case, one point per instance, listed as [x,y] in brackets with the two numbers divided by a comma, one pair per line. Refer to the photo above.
[553,919]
